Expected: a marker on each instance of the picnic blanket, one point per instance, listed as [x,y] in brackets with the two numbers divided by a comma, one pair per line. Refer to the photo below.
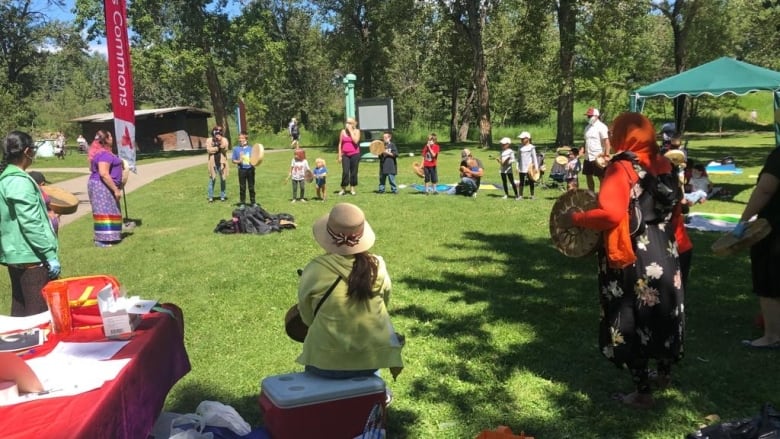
[718,168]
[712,222]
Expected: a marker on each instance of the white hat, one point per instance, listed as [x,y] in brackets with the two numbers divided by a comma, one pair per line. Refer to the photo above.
[592,111]
[524,135]
[344,230]
[505,141]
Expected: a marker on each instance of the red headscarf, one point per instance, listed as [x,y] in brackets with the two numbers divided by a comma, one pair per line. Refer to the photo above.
[633,132]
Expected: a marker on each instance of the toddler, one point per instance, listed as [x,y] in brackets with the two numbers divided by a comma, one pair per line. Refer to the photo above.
[320,172]
[298,168]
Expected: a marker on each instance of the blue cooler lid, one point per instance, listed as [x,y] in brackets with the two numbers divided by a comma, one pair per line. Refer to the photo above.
[300,389]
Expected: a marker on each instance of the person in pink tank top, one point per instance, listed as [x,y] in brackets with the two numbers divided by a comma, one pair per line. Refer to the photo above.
[349,156]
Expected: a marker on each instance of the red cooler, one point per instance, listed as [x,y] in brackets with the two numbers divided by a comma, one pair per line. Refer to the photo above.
[301,405]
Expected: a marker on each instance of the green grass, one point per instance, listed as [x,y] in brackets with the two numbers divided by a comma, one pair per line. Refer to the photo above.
[501,328]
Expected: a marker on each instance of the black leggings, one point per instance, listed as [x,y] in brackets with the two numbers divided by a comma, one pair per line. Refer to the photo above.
[523,178]
[349,170]
[511,177]
[26,285]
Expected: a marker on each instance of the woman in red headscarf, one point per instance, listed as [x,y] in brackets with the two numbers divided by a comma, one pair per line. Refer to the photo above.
[640,285]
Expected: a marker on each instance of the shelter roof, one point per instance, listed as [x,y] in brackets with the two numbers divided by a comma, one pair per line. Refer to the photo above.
[144,114]
[716,78]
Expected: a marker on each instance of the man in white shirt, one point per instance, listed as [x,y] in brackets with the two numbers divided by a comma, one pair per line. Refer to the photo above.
[596,144]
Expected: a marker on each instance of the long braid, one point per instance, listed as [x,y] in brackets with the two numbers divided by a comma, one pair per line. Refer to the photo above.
[362,278]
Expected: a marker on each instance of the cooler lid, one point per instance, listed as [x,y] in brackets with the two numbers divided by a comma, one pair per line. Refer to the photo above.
[300,389]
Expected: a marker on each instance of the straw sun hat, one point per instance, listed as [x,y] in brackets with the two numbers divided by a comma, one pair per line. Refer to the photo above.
[344,230]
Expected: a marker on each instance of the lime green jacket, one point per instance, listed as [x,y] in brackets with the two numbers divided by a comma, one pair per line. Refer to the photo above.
[26,234]
[346,334]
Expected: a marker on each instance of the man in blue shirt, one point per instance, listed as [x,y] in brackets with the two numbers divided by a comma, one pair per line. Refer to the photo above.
[246,172]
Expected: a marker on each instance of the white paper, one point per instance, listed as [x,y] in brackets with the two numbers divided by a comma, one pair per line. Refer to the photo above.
[66,376]
[10,324]
[100,350]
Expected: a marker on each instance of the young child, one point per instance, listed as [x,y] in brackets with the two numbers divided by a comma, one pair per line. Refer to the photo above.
[700,185]
[298,168]
[320,173]
[430,153]
[388,165]
[506,161]
[573,171]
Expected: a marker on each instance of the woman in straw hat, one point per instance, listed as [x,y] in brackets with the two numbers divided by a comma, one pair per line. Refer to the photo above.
[29,247]
[640,287]
[350,333]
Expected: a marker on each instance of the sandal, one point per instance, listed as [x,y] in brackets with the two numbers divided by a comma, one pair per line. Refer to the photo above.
[659,381]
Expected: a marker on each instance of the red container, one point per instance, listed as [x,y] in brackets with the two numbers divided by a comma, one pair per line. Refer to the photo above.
[301,405]
[82,295]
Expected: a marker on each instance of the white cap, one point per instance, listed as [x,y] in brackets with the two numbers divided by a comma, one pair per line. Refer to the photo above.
[524,135]
[505,141]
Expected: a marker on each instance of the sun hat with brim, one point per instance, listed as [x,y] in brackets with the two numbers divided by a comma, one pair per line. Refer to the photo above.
[524,135]
[505,141]
[344,231]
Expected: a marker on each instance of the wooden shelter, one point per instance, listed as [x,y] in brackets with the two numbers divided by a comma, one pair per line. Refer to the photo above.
[158,129]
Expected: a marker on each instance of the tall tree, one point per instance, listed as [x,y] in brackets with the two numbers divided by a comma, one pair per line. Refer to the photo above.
[566,11]
[469,17]
[681,15]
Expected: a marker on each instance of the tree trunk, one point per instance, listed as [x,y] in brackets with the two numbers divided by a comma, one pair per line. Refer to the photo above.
[483,94]
[454,115]
[567,21]
[217,97]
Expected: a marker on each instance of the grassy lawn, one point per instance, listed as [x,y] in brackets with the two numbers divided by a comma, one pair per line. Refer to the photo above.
[500,327]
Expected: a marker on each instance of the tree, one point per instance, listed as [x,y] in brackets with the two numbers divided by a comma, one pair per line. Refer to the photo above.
[681,14]
[567,33]
[469,17]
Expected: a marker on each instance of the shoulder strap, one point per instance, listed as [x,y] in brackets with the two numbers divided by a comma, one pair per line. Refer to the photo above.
[327,293]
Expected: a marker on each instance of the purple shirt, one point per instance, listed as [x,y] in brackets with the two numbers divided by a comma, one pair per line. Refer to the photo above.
[115,166]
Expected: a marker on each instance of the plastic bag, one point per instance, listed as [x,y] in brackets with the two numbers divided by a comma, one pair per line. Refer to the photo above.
[189,426]
[217,414]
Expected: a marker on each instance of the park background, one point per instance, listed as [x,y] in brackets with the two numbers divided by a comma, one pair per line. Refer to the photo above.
[501,328]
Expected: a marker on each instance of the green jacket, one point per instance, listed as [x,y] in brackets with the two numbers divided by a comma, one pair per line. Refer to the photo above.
[346,335]
[26,234]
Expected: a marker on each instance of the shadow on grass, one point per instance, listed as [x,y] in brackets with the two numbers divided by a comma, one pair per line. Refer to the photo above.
[555,298]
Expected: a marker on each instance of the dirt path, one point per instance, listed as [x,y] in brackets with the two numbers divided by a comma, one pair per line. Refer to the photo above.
[146,174]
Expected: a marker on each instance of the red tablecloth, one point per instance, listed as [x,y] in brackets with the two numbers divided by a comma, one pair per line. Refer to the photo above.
[123,408]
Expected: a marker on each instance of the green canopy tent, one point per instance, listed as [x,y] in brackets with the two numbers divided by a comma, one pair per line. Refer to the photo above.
[715,78]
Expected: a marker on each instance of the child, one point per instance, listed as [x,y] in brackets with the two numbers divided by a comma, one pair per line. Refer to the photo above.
[298,168]
[430,155]
[526,156]
[320,173]
[506,161]
[388,166]
[700,185]
[573,170]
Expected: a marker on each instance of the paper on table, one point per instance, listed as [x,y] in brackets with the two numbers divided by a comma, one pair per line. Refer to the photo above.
[99,350]
[8,323]
[66,376]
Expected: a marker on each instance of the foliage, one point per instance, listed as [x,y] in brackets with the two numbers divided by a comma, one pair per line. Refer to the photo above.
[286,58]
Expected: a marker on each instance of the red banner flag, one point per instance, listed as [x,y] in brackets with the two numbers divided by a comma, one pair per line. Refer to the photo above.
[120,77]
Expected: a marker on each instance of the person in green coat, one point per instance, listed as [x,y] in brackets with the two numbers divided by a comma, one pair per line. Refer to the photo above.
[342,297]
[28,244]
